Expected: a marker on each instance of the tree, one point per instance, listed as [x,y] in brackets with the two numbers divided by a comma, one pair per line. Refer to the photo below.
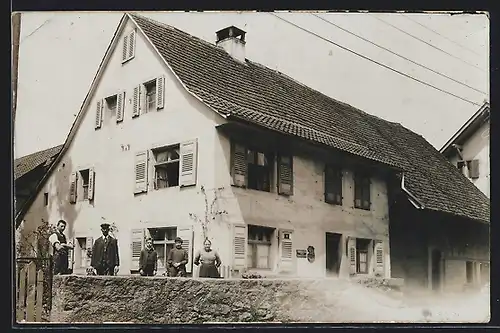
[211,212]
[35,242]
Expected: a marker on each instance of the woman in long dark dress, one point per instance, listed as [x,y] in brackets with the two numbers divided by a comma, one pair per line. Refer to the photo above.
[209,260]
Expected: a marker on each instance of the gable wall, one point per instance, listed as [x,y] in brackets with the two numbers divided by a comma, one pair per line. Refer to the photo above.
[111,151]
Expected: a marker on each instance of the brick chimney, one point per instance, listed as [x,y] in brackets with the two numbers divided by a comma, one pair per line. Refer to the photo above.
[232,40]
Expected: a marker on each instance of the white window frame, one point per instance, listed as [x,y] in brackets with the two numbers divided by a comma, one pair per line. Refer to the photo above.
[162,149]
[165,241]
[148,105]
[253,243]
[82,186]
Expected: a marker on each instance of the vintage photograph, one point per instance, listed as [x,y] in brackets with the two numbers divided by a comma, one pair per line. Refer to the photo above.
[251,167]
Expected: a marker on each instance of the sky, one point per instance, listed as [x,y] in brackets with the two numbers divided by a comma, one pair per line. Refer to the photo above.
[429,72]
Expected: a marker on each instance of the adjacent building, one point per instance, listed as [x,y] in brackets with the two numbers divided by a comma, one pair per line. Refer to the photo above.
[28,171]
[181,137]
[469,149]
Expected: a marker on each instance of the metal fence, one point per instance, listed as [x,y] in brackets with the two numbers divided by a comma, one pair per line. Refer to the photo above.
[34,278]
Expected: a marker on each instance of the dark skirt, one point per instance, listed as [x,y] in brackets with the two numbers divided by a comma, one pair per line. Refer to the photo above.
[209,271]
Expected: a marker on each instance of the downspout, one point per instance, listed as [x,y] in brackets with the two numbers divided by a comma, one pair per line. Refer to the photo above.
[414,201]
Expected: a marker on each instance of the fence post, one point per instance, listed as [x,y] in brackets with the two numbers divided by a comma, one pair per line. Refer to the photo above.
[30,301]
[21,295]
[39,296]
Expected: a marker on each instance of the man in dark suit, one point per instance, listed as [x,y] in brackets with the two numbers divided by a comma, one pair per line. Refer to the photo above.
[105,258]
[148,262]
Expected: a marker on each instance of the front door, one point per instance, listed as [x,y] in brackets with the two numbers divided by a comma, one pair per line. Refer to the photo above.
[436,270]
[332,253]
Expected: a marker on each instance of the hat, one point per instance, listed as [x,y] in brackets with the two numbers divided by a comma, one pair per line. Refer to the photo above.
[105,225]
[178,239]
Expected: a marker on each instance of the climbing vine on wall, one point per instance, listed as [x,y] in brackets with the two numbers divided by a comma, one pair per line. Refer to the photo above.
[211,211]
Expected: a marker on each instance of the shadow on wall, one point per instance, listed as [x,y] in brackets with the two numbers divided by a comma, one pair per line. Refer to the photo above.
[44,214]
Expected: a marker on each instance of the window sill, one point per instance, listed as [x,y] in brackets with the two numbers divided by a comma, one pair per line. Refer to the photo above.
[252,189]
[333,203]
[363,208]
[166,188]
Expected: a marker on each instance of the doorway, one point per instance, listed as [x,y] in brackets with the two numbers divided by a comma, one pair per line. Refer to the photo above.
[333,253]
[436,269]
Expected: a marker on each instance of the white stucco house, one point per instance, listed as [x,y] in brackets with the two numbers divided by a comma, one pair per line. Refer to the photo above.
[304,183]
[469,149]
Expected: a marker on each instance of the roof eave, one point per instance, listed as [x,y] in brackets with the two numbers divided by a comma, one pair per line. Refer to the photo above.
[481,115]
[238,119]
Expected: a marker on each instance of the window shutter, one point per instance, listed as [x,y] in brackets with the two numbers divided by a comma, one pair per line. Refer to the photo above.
[141,172]
[98,114]
[473,167]
[188,163]
[286,251]
[136,245]
[136,104]
[186,233]
[89,243]
[351,245]
[160,92]
[379,257]
[125,49]
[120,106]
[240,234]
[72,187]
[285,175]
[131,45]
[91,184]
[239,165]
[71,256]
[366,192]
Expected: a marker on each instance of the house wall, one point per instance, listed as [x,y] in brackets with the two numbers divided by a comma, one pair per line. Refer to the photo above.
[111,151]
[478,147]
[415,234]
[307,215]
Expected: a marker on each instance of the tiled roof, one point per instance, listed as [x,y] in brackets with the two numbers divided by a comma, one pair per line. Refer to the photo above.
[25,164]
[273,100]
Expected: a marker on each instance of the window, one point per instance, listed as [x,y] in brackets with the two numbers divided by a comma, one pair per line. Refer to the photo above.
[251,168]
[469,271]
[163,242]
[259,170]
[82,244]
[45,199]
[259,247]
[362,246]
[150,100]
[333,185]
[362,191]
[148,97]
[111,103]
[166,167]
[84,184]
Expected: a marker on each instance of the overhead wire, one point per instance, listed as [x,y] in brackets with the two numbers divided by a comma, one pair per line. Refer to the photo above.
[427,43]
[376,62]
[398,55]
[437,33]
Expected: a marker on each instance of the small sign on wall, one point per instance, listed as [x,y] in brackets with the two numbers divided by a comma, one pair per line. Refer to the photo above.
[301,253]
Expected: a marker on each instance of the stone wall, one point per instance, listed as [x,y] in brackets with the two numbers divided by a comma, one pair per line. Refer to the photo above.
[162,300]
[179,300]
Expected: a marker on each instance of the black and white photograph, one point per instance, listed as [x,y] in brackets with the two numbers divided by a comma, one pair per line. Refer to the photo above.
[224,167]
